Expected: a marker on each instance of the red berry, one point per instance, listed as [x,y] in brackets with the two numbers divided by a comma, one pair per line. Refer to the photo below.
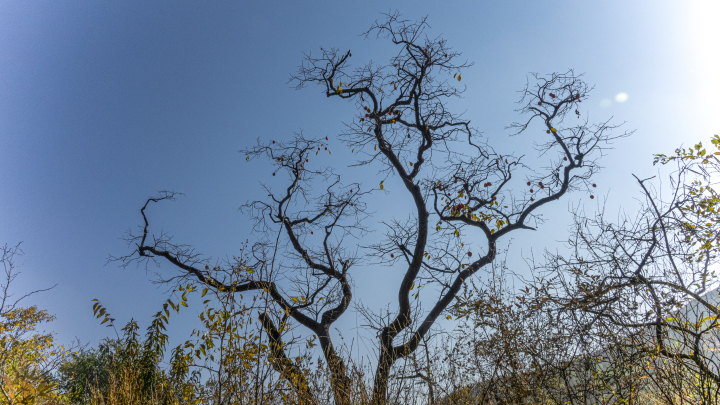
[494,198]
[367,115]
[592,196]
[306,160]
[326,148]
[351,190]
[528,183]
[446,55]
[547,132]
[392,255]
[552,95]
[273,174]
[312,233]
[532,199]
[470,254]
[326,138]
[532,191]
[594,185]
[488,184]
[565,158]
[273,141]
[539,102]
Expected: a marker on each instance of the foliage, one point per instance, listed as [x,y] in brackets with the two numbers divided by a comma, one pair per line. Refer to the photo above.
[125,370]
[27,356]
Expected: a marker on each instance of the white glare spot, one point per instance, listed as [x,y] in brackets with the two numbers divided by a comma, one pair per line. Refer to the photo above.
[605,103]
[621,97]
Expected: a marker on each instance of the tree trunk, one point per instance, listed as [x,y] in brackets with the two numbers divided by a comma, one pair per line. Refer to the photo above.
[339,380]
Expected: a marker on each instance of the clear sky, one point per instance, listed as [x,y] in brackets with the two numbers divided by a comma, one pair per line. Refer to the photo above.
[102,103]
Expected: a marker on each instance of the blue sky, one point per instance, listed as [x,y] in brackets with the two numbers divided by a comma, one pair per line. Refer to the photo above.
[104,103]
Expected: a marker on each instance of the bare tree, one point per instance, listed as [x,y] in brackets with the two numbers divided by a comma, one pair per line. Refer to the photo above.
[10,272]
[460,189]
[649,282]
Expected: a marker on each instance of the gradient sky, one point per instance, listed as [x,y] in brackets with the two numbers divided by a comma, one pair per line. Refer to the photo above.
[102,103]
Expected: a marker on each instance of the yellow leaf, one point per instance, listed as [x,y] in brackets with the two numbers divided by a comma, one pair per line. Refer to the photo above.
[448,317]
[381,185]
[411,163]
[375,148]
[553,129]
[457,233]
[295,299]
[247,158]
[459,77]
[204,292]
[249,270]
[352,151]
